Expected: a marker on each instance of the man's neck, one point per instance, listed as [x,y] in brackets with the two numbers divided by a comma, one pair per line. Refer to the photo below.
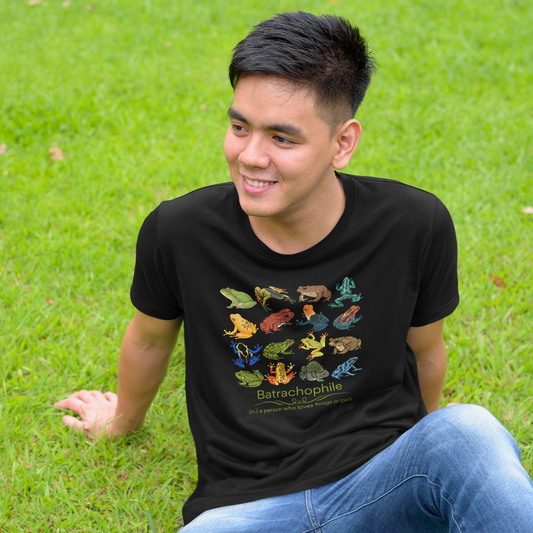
[302,230]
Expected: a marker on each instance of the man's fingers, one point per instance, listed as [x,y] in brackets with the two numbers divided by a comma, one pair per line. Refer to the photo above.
[72,403]
[83,395]
[76,401]
[111,396]
[74,423]
[95,409]
[97,395]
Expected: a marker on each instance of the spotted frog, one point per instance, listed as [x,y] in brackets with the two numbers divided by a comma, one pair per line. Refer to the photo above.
[273,350]
[281,373]
[243,328]
[345,288]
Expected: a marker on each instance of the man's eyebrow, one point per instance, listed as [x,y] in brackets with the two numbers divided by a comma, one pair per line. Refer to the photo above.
[232,113]
[288,129]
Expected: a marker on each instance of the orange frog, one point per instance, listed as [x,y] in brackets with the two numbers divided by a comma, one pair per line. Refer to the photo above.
[281,374]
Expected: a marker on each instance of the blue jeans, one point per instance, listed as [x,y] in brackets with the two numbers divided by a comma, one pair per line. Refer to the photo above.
[457,470]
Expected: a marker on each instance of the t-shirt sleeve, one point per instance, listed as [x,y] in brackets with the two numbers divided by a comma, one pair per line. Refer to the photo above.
[153,291]
[438,293]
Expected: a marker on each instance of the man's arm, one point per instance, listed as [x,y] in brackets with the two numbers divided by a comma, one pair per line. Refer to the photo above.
[430,352]
[144,357]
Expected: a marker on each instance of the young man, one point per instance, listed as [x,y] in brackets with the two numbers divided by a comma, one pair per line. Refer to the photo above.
[313,306]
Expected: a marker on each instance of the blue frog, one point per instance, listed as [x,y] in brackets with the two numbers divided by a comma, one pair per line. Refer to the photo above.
[244,353]
[318,321]
[346,369]
[348,318]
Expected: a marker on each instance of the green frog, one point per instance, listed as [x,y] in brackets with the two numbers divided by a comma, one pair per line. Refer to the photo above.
[240,300]
[273,350]
[309,343]
[249,379]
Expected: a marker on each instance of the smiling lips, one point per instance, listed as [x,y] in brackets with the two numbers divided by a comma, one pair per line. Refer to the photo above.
[258,184]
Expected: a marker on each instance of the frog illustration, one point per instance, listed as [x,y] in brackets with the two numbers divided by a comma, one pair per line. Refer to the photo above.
[313,371]
[313,293]
[249,379]
[309,343]
[318,321]
[243,328]
[282,374]
[276,321]
[344,344]
[346,369]
[345,288]
[240,300]
[273,349]
[263,295]
[347,319]
[244,352]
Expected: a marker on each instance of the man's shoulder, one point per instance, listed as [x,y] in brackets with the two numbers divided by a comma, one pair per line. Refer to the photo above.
[391,195]
[388,188]
[208,196]
[206,203]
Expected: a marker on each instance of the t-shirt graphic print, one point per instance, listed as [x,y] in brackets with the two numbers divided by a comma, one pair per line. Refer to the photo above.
[295,358]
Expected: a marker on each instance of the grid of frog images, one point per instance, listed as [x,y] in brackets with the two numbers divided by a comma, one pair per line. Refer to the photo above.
[322,357]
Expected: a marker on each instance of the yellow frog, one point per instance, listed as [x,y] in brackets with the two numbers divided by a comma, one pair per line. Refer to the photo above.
[243,328]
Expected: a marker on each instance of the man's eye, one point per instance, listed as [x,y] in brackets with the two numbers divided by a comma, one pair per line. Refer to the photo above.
[238,129]
[281,140]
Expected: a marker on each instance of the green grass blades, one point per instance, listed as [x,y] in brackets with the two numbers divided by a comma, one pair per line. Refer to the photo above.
[131,97]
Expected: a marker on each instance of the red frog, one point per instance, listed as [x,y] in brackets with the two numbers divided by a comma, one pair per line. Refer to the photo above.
[347,319]
[276,321]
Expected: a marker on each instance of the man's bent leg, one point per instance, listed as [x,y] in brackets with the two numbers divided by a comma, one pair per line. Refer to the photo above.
[281,514]
[457,470]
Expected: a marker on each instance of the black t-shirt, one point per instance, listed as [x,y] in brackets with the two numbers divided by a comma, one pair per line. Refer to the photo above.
[297,366]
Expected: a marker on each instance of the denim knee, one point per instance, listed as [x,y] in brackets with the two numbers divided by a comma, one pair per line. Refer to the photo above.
[467,426]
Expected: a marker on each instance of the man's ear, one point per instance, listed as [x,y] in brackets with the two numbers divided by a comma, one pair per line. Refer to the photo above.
[347,136]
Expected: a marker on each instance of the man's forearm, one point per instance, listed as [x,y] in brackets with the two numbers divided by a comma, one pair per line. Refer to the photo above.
[431,374]
[141,370]
[430,351]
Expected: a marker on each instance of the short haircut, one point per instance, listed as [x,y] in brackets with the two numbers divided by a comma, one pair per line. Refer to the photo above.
[325,55]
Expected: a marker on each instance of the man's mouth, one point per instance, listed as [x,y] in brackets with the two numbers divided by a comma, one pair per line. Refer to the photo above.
[257,183]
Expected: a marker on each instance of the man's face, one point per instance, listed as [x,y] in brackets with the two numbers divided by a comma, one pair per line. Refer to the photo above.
[278,150]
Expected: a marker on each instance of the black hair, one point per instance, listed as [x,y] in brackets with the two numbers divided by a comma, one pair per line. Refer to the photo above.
[324,54]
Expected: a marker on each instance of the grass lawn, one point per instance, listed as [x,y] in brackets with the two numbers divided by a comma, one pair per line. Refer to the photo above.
[133,94]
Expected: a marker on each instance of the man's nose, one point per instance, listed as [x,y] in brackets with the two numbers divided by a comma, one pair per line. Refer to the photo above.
[255,154]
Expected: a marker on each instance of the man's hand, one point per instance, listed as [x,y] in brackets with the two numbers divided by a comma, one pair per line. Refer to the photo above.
[146,349]
[97,412]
